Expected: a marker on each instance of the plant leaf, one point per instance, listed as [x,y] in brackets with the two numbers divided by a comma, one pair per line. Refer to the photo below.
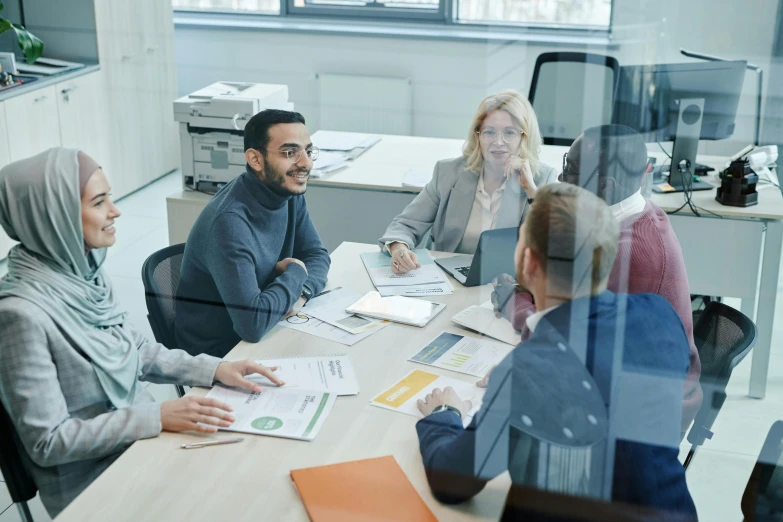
[31,45]
[1,6]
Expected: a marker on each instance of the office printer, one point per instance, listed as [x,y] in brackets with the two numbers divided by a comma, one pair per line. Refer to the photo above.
[211,126]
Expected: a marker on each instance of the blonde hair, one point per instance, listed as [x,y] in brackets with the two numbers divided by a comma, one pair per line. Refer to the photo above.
[523,116]
[574,236]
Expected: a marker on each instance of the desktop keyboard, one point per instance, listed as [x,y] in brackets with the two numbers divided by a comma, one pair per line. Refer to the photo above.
[661,171]
[463,270]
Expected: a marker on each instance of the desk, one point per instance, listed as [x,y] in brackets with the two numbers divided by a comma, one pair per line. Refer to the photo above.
[155,480]
[733,254]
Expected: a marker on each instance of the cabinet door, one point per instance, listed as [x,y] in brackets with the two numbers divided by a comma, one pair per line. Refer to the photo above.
[5,158]
[32,122]
[5,152]
[79,104]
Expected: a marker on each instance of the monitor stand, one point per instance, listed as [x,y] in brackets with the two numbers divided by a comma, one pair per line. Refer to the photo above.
[686,144]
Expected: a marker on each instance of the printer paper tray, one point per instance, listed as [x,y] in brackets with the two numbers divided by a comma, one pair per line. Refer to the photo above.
[205,172]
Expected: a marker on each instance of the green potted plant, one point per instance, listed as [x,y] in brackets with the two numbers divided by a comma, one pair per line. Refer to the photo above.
[31,45]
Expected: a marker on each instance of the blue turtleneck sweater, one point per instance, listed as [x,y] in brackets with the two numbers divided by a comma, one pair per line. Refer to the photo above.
[228,288]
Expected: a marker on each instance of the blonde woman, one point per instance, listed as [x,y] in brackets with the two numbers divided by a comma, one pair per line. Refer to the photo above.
[490,186]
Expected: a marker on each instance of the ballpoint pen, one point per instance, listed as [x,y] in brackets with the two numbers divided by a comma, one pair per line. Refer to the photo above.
[203,444]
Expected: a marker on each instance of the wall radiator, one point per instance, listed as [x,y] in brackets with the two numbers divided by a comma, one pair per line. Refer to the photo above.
[365,104]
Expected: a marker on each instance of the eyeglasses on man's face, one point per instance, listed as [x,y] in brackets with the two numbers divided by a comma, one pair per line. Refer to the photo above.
[509,135]
[294,154]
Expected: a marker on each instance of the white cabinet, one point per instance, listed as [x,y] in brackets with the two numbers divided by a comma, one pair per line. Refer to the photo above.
[121,115]
[136,48]
[5,152]
[5,158]
[81,120]
[32,123]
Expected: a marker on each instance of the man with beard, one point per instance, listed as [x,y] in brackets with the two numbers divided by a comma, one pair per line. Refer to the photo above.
[253,256]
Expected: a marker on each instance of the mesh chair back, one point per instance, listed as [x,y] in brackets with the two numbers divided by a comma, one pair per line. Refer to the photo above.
[160,274]
[723,337]
[571,92]
[20,484]
[762,500]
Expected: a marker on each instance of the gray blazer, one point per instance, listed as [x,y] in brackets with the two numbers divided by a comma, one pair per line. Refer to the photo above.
[445,204]
[70,432]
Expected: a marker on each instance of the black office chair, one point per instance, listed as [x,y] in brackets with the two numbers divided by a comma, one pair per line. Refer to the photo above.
[20,484]
[536,505]
[723,337]
[160,274]
[762,500]
[571,92]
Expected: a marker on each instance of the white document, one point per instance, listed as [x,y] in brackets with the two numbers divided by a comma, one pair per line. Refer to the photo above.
[319,173]
[328,162]
[329,306]
[417,290]
[310,325]
[482,319]
[402,396]
[462,354]
[378,266]
[332,373]
[290,413]
[343,141]
[405,310]
[416,178]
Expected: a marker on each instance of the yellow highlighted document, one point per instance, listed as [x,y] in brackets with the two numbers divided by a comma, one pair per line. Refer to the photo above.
[402,397]
[414,383]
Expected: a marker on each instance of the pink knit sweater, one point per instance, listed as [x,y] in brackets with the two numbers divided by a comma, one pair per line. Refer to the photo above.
[649,259]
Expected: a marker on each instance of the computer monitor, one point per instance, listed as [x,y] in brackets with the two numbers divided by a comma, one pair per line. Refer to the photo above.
[648,99]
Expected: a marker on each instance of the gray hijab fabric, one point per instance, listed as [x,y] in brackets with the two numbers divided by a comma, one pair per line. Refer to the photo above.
[40,206]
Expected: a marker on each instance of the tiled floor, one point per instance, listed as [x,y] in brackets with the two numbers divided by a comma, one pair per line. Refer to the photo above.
[718,472]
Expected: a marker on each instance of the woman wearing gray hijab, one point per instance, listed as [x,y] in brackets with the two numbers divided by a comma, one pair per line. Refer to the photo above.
[71,365]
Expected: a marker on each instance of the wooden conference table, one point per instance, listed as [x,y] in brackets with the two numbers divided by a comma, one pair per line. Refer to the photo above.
[156,480]
[733,252]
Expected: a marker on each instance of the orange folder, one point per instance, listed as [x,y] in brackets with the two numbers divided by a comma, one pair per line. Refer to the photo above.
[360,491]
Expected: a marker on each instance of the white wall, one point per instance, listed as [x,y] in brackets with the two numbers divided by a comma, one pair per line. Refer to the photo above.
[449,78]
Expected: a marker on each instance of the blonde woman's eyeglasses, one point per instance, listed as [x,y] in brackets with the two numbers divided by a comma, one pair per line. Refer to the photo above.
[510,135]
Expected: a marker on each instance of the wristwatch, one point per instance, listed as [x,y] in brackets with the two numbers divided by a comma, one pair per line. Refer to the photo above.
[529,201]
[307,293]
[446,407]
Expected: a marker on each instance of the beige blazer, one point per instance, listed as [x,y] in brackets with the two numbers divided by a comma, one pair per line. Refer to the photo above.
[443,207]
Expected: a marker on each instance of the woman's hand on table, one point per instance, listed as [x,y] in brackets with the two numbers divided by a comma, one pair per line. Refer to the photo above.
[195,414]
[233,374]
[403,260]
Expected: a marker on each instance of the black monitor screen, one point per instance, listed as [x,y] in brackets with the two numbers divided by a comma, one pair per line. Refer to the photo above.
[647,97]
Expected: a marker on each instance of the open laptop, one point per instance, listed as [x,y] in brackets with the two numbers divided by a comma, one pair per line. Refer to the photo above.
[494,256]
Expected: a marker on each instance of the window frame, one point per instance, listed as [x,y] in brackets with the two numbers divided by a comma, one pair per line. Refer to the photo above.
[445,16]
[378,13]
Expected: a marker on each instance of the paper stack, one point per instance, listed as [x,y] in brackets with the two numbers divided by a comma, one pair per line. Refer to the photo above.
[427,280]
[352,144]
[328,162]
